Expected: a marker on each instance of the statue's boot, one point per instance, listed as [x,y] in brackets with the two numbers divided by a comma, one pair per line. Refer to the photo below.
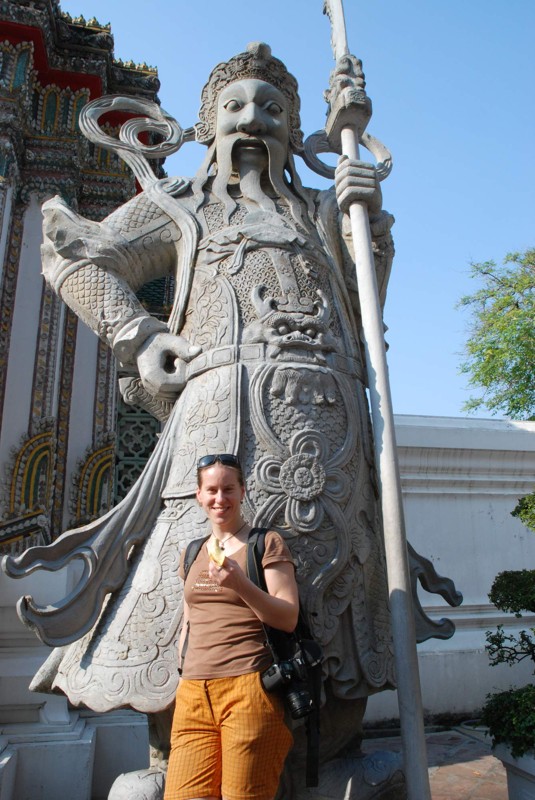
[148,784]
[374,776]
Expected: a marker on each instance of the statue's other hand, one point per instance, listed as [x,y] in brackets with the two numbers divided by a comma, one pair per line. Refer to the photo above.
[161,361]
[356,181]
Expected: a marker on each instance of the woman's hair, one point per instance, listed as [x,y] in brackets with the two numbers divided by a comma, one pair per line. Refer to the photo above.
[226,459]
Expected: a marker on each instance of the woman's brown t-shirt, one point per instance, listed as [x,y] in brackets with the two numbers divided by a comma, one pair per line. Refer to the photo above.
[226,638]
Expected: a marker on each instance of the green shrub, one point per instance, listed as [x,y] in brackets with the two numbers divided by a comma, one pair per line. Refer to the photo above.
[510,717]
[514,590]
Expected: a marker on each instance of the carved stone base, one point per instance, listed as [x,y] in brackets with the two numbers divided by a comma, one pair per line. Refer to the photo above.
[145,784]
[377,776]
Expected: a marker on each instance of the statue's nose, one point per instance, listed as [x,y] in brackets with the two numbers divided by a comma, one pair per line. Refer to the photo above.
[250,120]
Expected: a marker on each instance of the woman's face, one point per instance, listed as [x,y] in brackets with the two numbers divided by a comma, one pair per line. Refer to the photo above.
[220,494]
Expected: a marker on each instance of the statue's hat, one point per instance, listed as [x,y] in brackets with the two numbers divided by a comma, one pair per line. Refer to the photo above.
[256,62]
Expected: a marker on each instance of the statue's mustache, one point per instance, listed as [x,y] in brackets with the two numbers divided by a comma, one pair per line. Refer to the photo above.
[249,139]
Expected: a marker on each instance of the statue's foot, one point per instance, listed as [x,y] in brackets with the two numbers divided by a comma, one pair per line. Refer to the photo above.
[144,784]
[376,776]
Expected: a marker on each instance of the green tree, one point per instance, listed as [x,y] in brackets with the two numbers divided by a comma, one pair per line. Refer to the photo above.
[500,350]
[500,360]
[525,510]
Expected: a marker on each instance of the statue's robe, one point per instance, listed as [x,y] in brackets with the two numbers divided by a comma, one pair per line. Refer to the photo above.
[280,381]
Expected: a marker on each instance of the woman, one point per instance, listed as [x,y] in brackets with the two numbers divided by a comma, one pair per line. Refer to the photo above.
[229,738]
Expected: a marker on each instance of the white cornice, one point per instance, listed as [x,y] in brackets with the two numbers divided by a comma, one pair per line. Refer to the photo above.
[466,456]
[479,616]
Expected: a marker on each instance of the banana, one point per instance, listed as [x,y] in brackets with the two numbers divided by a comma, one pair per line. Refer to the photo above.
[215,552]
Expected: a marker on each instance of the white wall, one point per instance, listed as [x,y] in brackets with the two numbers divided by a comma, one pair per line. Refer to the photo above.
[461,478]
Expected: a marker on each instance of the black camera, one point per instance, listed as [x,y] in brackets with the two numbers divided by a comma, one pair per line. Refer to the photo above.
[291,676]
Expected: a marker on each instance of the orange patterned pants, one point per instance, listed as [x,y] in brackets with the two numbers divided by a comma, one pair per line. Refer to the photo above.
[228,740]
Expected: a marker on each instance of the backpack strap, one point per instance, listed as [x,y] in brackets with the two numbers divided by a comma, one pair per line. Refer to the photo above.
[256,547]
[279,642]
[192,551]
[312,725]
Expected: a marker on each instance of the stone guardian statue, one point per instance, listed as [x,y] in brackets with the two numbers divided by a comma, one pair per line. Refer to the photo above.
[261,357]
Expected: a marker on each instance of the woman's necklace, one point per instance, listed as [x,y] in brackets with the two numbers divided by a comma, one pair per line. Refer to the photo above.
[230,536]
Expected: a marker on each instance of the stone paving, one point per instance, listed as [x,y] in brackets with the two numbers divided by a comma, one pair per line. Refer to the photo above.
[460,766]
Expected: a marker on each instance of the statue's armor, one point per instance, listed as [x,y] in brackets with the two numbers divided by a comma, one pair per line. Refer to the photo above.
[279,381]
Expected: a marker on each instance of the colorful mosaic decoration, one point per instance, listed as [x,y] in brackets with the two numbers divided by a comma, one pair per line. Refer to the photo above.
[51,65]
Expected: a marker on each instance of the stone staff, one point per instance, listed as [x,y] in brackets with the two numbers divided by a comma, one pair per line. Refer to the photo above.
[350,111]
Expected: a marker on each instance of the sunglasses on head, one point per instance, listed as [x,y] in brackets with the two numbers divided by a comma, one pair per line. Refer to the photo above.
[227,459]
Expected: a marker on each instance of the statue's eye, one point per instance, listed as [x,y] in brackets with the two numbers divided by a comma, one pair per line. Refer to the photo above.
[311,332]
[283,329]
[232,105]
[274,108]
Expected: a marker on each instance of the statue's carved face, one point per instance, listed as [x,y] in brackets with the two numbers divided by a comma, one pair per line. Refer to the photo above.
[253,115]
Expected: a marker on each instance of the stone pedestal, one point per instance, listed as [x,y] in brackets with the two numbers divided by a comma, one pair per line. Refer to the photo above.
[49,751]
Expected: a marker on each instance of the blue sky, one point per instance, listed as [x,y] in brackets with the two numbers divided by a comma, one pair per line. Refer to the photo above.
[451,83]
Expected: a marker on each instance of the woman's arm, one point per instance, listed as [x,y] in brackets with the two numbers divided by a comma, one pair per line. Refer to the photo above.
[279,606]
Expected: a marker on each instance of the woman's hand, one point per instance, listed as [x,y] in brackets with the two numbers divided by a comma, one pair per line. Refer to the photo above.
[230,574]
[279,606]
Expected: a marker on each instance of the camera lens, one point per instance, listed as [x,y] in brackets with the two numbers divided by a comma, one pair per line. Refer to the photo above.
[299,702]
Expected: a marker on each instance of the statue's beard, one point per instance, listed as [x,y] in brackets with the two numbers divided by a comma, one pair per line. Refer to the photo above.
[252,181]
